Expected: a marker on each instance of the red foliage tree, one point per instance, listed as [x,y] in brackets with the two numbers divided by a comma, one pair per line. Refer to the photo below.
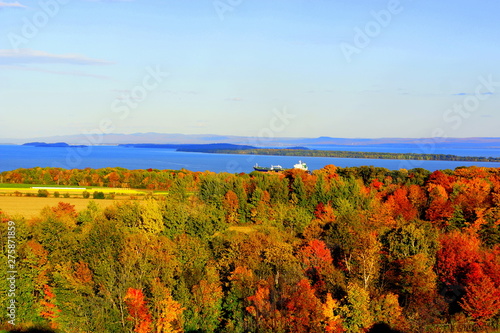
[324,213]
[65,209]
[401,205]
[316,255]
[376,184]
[138,310]
[49,308]
[491,265]
[457,252]
[482,298]
[318,263]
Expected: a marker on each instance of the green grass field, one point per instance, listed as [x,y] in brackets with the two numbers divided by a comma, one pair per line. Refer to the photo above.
[8,185]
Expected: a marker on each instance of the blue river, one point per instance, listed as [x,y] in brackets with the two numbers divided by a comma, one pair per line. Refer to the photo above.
[16,156]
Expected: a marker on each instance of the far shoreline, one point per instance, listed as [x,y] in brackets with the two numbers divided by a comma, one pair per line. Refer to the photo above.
[297,151]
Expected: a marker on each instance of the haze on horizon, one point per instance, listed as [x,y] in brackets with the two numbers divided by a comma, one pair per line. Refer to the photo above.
[296,68]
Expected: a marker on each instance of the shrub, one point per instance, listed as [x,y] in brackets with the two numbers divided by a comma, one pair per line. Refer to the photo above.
[43,193]
[56,194]
[86,194]
[98,195]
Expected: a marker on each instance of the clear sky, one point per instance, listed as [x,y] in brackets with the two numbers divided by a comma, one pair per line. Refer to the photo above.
[340,68]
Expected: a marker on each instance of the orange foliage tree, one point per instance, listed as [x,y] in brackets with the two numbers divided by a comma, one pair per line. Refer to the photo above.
[168,311]
[264,311]
[305,311]
[231,206]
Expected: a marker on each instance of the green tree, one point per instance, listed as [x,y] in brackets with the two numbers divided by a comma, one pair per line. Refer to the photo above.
[207,302]
[175,216]
[241,282]
[298,194]
[411,239]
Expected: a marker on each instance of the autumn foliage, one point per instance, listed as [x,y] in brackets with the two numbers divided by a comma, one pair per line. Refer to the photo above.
[335,250]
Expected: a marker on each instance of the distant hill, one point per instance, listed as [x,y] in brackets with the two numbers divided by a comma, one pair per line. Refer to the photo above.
[201,148]
[213,147]
[279,142]
[136,138]
[297,148]
[57,144]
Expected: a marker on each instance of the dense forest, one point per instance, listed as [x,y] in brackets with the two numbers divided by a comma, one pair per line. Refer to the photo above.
[339,250]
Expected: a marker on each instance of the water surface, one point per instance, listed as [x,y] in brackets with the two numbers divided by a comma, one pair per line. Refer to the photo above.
[14,157]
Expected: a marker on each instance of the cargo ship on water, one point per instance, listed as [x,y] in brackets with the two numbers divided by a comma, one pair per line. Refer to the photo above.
[277,168]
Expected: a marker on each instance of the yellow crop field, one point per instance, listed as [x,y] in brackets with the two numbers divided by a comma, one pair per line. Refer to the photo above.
[31,206]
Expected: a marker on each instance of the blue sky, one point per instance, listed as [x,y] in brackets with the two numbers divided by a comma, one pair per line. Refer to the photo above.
[337,68]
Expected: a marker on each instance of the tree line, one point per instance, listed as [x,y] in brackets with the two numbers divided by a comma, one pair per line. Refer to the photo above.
[155,179]
[352,154]
[338,250]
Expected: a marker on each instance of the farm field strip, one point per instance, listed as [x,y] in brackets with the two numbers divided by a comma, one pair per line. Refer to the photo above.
[14,200]
[72,190]
[31,206]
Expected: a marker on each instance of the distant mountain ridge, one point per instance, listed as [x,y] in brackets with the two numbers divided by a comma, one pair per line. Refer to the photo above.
[175,138]
[199,147]
[57,144]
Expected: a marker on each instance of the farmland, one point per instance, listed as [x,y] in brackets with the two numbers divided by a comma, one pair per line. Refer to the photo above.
[7,188]
[31,206]
[23,199]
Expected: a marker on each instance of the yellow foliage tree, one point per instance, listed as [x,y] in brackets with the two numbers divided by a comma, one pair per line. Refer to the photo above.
[333,320]
[151,216]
